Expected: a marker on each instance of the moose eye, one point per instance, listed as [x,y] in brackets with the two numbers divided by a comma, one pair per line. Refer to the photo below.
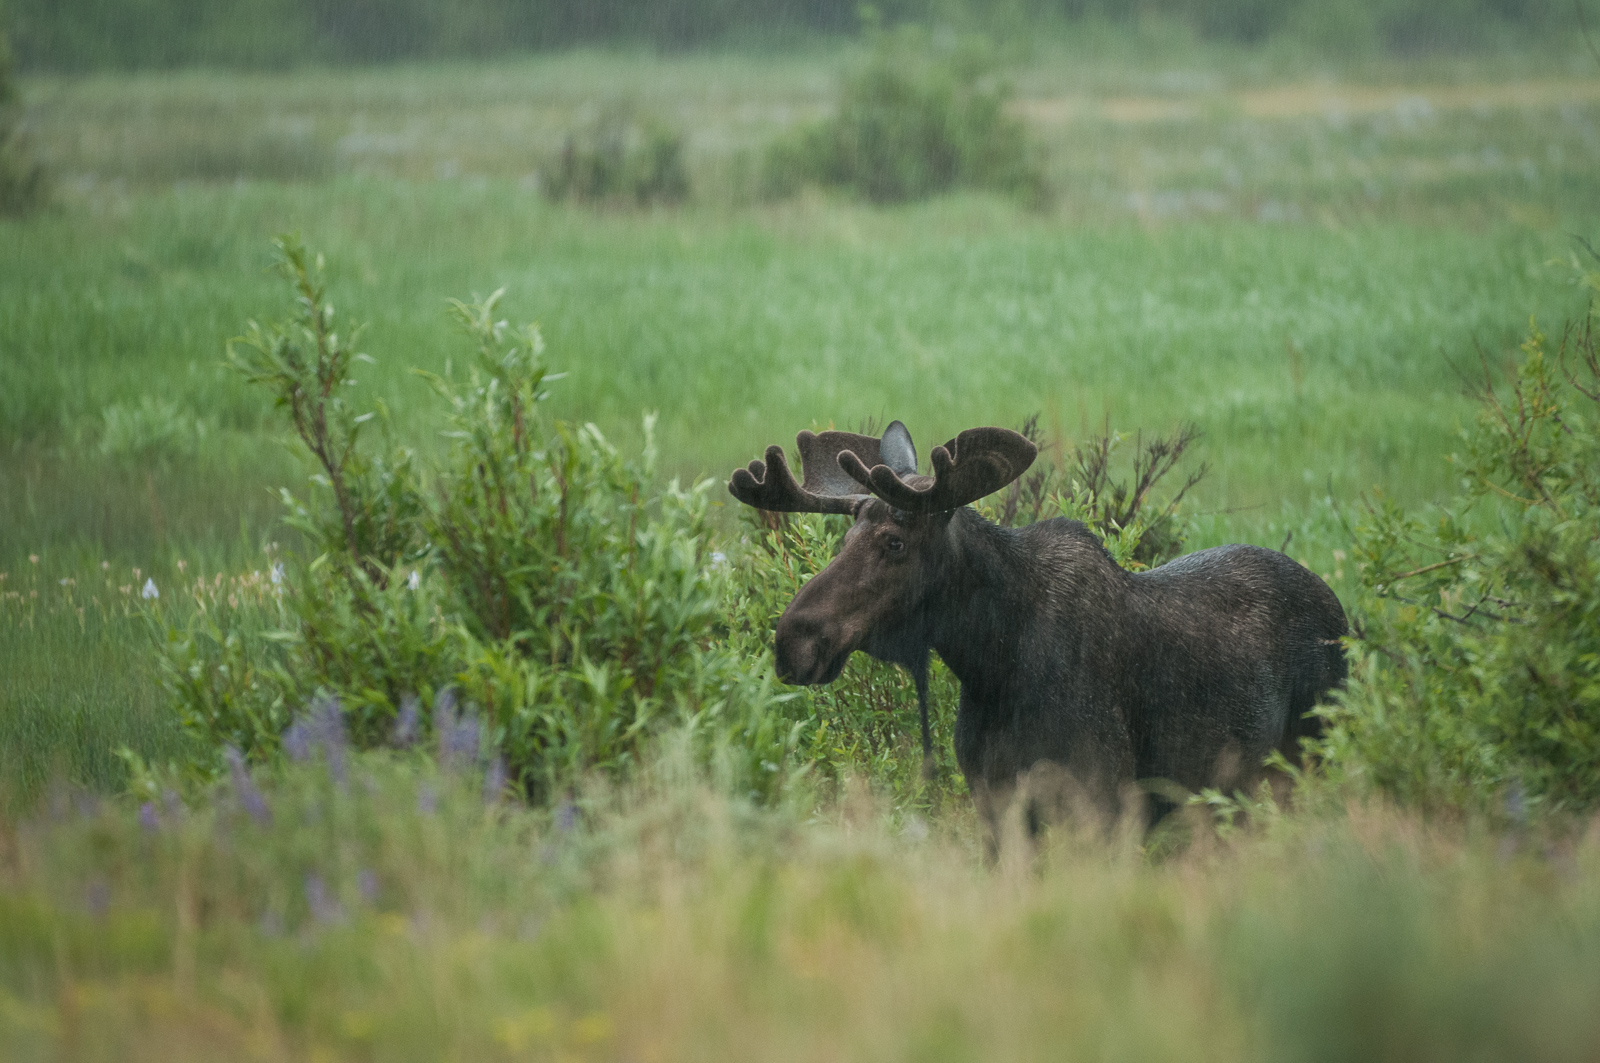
[894,544]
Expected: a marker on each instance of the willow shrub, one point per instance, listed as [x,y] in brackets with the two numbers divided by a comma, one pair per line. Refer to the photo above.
[22,181]
[1477,654]
[539,582]
[913,122]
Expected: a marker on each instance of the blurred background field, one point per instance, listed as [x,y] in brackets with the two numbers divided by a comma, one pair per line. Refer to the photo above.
[1305,228]
[1300,257]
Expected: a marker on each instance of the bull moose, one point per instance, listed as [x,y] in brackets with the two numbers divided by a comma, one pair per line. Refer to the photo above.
[1191,672]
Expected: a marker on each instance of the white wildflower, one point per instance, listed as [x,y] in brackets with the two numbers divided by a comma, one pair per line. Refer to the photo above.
[415,581]
[276,573]
[150,590]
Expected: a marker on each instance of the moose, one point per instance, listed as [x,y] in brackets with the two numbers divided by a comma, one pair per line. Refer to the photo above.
[1072,668]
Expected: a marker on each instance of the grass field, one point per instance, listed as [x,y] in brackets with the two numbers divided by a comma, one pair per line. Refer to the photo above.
[1303,258]
[1301,267]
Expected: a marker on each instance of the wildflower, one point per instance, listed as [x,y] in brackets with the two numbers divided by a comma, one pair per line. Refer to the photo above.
[183,566]
[149,590]
[297,741]
[97,898]
[719,559]
[33,559]
[405,724]
[244,787]
[148,818]
[324,908]
[566,817]
[105,566]
[459,743]
[327,731]
[458,735]
[276,573]
[494,780]
[414,581]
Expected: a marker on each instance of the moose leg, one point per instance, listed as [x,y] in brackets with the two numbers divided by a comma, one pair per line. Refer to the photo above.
[994,804]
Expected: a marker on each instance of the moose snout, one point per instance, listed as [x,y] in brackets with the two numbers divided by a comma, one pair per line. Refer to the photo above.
[807,652]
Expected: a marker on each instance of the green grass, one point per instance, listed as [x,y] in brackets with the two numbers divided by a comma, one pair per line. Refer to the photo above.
[1299,263]
[1300,260]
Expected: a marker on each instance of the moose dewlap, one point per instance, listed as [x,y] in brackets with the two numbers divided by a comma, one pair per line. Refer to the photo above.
[1070,666]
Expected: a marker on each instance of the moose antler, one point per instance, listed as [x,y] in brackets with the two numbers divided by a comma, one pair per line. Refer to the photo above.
[770,485]
[975,463]
[838,465]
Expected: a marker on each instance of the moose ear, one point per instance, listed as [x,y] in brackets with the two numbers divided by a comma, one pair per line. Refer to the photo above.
[897,451]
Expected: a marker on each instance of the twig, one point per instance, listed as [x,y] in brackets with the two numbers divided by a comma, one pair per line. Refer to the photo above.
[1430,568]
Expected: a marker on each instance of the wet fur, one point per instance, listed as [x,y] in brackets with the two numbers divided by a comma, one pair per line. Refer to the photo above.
[1191,672]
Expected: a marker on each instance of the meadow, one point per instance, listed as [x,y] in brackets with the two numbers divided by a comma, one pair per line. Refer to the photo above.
[1311,260]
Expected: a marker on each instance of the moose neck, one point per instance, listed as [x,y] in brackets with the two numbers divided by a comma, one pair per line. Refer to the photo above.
[991,596]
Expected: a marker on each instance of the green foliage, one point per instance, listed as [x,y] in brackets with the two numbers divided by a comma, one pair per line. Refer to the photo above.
[538,576]
[1140,530]
[1400,25]
[1477,676]
[22,180]
[913,122]
[102,34]
[620,158]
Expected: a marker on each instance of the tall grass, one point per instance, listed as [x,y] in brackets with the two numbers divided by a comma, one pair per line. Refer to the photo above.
[394,915]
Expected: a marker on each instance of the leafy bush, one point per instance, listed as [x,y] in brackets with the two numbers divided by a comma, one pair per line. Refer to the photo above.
[1477,678]
[22,180]
[1401,25]
[1139,531]
[912,124]
[620,158]
[538,580]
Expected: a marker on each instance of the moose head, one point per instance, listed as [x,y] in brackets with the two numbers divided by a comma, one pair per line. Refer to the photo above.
[873,595]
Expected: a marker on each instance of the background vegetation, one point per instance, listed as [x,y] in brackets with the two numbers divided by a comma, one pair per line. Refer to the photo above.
[479,753]
[131,34]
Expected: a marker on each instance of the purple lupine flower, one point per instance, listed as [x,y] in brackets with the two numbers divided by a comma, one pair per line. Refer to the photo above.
[367,885]
[244,787]
[458,735]
[494,780]
[97,898]
[297,741]
[324,908]
[406,723]
[444,705]
[148,819]
[327,730]
[459,744]
[566,817]
[1516,803]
